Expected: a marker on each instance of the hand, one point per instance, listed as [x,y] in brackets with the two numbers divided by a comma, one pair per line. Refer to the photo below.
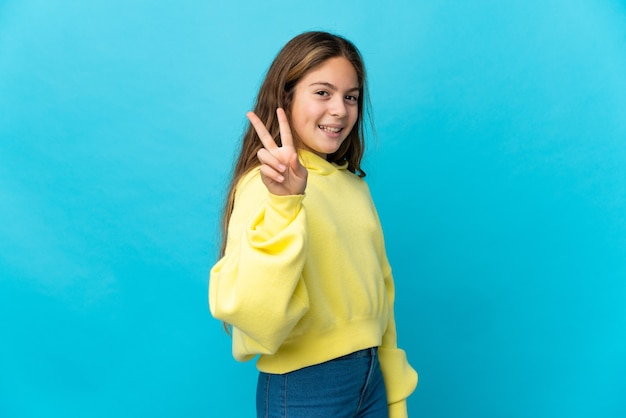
[281,170]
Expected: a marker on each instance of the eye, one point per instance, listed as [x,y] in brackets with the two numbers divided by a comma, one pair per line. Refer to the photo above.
[322,93]
[352,98]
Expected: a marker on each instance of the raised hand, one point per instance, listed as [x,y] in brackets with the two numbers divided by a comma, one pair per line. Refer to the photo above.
[281,170]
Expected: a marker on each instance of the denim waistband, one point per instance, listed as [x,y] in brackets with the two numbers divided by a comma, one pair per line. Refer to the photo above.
[367,352]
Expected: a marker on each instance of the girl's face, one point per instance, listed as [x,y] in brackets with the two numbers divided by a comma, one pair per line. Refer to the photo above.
[325,106]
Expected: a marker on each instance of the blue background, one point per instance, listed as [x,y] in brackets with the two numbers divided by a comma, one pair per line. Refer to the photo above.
[499,170]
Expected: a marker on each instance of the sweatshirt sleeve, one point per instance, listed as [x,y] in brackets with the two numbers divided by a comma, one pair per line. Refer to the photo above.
[400,378]
[257,286]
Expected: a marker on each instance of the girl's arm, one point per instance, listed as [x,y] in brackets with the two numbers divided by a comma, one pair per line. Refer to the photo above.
[257,286]
[400,378]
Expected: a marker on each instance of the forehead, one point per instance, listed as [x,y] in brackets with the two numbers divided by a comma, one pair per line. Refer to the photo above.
[337,71]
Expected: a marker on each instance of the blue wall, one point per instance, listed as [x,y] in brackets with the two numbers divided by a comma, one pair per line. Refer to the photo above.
[499,170]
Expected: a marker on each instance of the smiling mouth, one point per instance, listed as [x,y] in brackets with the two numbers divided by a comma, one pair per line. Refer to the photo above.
[329,129]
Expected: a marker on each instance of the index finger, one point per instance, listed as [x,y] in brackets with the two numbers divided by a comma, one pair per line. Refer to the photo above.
[285,131]
[261,130]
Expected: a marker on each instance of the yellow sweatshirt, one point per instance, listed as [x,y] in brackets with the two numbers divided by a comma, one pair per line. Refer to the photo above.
[305,278]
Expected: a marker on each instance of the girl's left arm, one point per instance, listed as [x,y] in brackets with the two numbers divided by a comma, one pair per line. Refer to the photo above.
[400,378]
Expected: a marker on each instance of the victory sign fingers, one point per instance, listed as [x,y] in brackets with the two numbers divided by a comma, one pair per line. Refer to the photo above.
[281,170]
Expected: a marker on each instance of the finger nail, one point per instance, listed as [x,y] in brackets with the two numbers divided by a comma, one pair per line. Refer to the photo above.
[282,167]
[281,178]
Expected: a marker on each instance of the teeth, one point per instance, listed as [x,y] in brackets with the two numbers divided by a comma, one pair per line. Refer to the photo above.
[329,129]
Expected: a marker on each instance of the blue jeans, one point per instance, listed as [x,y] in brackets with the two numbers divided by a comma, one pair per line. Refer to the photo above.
[351,386]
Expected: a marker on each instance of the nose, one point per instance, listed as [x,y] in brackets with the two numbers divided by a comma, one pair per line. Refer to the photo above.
[338,107]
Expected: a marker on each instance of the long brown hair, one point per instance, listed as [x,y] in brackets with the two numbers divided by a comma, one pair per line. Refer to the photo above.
[299,56]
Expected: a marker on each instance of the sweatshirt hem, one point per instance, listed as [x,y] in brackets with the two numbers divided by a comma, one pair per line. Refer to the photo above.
[318,347]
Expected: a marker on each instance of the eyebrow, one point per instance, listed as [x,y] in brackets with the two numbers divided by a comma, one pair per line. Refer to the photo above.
[331,86]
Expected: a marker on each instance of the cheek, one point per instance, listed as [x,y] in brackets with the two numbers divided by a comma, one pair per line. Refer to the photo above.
[298,125]
[301,112]
[354,118]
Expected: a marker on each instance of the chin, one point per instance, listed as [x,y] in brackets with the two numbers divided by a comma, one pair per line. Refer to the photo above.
[331,149]
[325,148]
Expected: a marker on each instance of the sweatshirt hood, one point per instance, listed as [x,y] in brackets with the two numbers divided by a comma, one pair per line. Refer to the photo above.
[317,164]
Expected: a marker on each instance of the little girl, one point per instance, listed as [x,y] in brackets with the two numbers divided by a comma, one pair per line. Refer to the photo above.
[303,280]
